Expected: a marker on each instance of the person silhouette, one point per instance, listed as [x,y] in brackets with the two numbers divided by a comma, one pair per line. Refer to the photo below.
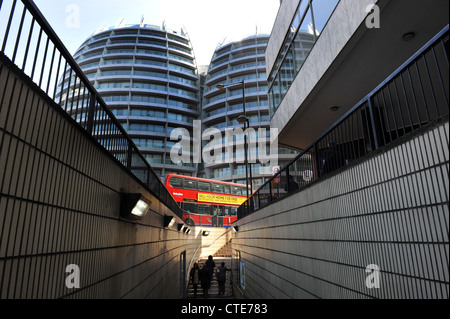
[205,280]
[222,277]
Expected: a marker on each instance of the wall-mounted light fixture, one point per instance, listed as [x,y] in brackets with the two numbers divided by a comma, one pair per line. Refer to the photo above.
[168,221]
[334,108]
[236,228]
[408,36]
[180,227]
[133,206]
[205,233]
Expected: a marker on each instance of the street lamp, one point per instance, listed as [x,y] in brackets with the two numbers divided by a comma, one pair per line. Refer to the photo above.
[243,120]
[223,86]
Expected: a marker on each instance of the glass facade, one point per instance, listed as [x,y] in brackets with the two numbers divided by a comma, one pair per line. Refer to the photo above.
[241,67]
[148,77]
[308,22]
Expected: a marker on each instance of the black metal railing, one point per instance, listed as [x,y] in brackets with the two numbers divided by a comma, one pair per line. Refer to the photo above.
[27,39]
[412,97]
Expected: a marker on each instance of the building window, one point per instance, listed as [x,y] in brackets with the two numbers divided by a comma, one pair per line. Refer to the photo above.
[297,45]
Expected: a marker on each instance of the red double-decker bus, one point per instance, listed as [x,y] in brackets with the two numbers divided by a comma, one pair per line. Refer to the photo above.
[207,202]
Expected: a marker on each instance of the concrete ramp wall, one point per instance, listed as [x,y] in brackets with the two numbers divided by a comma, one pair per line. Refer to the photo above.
[378,229]
[61,233]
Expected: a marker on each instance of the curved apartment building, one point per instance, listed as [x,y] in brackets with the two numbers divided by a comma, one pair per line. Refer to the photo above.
[236,65]
[148,77]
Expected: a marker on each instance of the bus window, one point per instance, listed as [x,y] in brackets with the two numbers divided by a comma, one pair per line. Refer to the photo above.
[233,211]
[175,182]
[190,207]
[236,190]
[227,211]
[190,184]
[227,189]
[217,188]
[216,210]
[204,209]
[204,186]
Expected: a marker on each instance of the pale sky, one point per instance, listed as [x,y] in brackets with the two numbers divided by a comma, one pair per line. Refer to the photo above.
[208,22]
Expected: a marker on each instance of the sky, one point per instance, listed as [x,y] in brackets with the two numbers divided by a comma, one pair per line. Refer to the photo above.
[207,22]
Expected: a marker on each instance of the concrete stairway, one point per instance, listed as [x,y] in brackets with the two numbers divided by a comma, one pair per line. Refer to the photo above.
[224,252]
[213,292]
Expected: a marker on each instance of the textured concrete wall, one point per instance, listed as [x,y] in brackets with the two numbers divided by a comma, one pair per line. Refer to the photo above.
[280,29]
[59,205]
[390,210]
[344,22]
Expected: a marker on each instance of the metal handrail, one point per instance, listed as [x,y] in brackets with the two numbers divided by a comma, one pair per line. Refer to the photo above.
[371,134]
[111,132]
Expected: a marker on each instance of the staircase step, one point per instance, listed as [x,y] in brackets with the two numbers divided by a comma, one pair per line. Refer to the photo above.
[225,251]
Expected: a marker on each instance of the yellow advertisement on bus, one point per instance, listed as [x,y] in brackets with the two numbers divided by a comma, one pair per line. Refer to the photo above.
[220,199]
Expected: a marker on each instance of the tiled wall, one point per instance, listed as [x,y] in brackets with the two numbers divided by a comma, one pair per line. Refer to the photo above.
[59,205]
[390,210]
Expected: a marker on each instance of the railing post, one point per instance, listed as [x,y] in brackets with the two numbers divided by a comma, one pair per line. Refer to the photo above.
[149,177]
[259,200]
[288,180]
[316,161]
[129,155]
[270,191]
[372,121]
[91,113]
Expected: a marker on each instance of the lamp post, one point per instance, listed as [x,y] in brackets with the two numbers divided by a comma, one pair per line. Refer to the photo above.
[243,120]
